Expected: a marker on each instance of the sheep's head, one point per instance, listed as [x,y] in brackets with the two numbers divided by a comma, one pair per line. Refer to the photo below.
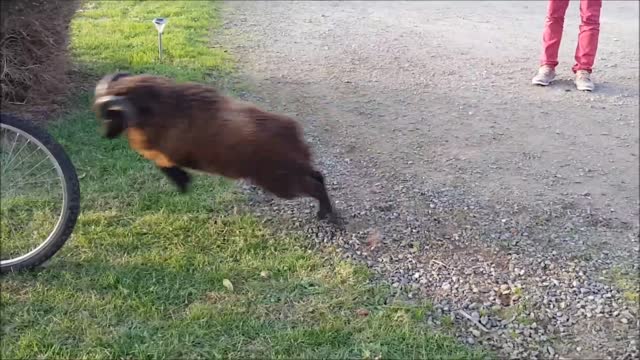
[115,111]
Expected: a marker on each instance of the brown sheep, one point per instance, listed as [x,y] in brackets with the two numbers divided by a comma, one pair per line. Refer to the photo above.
[193,126]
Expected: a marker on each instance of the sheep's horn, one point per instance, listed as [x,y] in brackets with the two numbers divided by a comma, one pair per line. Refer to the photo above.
[104,83]
[118,103]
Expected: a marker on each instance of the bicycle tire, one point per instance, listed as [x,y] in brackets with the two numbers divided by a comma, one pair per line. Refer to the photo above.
[72,186]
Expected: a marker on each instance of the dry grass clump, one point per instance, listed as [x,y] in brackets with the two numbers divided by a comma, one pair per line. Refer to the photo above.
[33,47]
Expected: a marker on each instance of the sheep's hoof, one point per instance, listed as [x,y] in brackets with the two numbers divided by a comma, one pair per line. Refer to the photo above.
[183,186]
[332,217]
[180,178]
[323,214]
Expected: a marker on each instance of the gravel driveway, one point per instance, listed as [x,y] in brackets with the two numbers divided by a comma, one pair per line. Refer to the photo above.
[513,208]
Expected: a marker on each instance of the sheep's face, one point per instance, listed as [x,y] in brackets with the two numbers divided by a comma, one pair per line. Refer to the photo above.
[115,112]
[110,108]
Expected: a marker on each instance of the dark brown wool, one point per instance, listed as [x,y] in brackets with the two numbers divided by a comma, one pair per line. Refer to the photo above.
[190,125]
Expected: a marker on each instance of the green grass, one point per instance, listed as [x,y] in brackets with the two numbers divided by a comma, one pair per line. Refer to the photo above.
[112,35]
[627,281]
[143,275]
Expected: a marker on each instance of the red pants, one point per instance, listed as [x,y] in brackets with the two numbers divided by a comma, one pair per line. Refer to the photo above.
[587,40]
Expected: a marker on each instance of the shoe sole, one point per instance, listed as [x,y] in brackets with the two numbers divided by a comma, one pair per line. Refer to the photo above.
[584,89]
[541,83]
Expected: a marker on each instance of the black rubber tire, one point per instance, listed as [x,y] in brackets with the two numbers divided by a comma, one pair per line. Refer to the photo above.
[73,192]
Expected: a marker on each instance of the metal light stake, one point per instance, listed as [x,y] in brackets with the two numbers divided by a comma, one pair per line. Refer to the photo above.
[160,23]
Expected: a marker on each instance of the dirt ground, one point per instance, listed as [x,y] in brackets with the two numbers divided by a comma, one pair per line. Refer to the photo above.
[460,180]
[35,72]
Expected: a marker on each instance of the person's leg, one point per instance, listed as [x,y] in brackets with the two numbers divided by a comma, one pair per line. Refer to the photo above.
[551,37]
[552,34]
[589,33]
[587,43]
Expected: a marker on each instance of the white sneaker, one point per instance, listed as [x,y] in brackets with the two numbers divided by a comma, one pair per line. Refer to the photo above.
[583,81]
[546,74]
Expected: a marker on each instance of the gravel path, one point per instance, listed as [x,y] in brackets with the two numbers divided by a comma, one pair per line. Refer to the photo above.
[514,208]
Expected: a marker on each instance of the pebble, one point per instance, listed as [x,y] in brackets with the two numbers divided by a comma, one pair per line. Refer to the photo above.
[441,244]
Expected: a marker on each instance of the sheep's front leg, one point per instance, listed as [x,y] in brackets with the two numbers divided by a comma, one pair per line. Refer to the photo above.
[178,176]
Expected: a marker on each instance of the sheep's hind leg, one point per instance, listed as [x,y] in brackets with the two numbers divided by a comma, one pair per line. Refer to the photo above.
[178,176]
[315,187]
[288,183]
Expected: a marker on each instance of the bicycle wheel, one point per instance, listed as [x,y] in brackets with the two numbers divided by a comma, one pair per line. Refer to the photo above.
[40,195]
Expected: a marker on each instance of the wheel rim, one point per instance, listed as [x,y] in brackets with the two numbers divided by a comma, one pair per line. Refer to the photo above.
[9,162]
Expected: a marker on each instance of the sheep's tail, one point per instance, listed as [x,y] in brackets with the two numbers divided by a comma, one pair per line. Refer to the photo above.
[297,167]
[305,168]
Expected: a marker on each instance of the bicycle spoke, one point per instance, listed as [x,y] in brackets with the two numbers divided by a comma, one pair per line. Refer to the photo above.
[36,165]
[38,182]
[15,140]
[19,151]
[38,179]
[44,173]
[23,160]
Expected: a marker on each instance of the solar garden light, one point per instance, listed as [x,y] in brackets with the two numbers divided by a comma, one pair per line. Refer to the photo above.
[160,23]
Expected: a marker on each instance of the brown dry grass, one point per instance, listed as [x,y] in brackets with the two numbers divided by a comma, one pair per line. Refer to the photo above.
[34,65]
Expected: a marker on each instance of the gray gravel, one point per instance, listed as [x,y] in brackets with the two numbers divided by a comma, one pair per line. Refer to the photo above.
[513,208]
